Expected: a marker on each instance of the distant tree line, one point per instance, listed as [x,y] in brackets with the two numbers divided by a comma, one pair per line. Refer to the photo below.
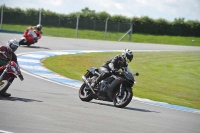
[96,21]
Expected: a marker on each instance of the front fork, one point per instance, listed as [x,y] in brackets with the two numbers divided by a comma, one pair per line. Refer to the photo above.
[2,75]
[84,78]
[88,84]
[121,90]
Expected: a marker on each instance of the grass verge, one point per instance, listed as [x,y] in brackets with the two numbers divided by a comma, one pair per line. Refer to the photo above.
[110,36]
[171,77]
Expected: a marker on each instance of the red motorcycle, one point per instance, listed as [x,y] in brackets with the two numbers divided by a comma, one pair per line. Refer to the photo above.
[12,70]
[29,38]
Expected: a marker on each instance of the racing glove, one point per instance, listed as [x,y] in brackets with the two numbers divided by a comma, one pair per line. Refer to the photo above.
[2,68]
[115,72]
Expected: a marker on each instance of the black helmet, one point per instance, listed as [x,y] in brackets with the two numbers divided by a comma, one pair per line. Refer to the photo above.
[39,27]
[128,55]
[12,45]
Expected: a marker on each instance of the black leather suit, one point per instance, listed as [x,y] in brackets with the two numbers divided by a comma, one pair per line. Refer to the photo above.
[113,64]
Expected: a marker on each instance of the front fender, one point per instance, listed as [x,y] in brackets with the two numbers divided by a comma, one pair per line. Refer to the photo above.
[88,74]
[23,38]
[94,71]
[11,74]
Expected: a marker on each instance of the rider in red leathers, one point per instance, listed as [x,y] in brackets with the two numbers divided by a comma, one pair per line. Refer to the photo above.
[28,40]
[37,29]
[7,54]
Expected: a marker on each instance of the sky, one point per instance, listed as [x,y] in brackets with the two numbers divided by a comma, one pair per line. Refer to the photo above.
[155,9]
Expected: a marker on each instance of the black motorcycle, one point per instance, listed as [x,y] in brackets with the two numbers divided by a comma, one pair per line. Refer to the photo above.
[117,88]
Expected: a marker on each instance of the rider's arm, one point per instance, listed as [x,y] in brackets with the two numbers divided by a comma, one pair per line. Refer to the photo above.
[38,36]
[14,58]
[112,63]
[2,49]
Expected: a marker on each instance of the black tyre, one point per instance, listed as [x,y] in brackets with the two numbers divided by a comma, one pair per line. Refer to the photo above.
[21,42]
[124,100]
[85,94]
[3,84]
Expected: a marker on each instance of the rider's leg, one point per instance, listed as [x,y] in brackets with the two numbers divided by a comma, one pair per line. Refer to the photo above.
[104,74]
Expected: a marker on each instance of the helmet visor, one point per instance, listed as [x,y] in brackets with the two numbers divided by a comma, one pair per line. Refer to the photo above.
[13,47]
[127,60]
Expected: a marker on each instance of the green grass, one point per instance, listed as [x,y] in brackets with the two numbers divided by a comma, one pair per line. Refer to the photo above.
[171,77]
[110,36]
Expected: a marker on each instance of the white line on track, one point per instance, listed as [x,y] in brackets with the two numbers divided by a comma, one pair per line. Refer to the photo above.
[2,131]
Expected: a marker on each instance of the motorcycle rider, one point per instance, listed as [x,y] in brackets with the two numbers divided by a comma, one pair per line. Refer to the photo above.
[37,29]
[7,54]
[113,65]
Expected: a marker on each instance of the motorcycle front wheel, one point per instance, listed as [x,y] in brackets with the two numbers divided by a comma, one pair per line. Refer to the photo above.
[85,94]
[3,84]
[124,99]
[21,42]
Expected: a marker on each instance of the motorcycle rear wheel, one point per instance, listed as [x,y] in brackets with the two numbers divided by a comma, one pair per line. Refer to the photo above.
[124,100]
[85,94]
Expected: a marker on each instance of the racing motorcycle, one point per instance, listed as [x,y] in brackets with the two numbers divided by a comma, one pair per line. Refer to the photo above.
[28,39]
[117,88]
[12,70]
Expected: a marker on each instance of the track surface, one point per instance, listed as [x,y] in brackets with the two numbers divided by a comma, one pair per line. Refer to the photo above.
[39,106]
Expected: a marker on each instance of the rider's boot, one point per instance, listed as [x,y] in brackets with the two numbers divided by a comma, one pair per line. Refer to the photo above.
[3,92]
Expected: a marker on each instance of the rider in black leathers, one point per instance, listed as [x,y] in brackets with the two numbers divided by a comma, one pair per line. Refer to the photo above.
[113,65]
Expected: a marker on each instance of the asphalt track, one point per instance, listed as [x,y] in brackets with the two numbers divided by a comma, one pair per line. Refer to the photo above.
[40,106]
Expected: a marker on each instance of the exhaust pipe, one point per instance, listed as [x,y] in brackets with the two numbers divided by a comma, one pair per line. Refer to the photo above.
[85,80]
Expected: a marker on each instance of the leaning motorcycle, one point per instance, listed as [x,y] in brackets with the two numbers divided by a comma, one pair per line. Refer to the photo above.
[12,70]
[117,88]
[28,39]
